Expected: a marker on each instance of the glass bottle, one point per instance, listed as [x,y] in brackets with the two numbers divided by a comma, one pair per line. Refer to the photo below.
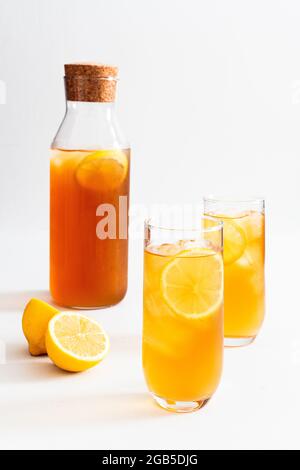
[89,191]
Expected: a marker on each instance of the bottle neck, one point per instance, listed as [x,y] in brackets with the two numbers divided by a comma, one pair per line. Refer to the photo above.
[88,109]
[89,125]
[98,115]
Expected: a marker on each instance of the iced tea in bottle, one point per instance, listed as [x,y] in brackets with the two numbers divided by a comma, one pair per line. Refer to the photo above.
[89,190]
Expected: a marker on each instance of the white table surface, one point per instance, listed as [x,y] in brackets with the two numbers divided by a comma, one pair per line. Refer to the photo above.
[257,404]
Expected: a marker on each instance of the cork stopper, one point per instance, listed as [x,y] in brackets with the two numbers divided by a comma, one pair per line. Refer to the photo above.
[88,81]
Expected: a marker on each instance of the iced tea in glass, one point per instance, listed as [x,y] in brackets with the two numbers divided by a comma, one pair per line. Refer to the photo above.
[183,314]
[244,258]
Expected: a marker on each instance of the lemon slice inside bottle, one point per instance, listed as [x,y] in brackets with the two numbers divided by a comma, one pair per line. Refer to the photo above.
[192,283]
[102,170]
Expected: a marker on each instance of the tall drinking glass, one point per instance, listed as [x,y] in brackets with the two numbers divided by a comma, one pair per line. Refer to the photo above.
[244,257]
[183,312]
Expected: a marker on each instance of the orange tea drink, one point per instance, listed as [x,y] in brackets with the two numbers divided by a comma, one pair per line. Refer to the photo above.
[244,257]
[183,320]
[88,267]
[89,189]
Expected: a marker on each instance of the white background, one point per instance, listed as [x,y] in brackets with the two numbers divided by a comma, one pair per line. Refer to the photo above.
[209,95]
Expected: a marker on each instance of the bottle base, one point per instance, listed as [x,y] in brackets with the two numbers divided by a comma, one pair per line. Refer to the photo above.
[236,342]
[179,406]
[101,307]
[69,305]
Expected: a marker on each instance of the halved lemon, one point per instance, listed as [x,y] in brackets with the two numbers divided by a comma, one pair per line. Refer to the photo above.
[234,241]
[102,170]
[75,342]
[192,283]
[36,317]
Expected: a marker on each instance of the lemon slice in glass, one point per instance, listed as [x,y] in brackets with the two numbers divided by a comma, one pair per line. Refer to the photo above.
[234,241]
[192,283]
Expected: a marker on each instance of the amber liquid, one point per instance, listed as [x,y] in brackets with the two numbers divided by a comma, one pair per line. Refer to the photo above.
[86,271]
[244,283]
[182,357]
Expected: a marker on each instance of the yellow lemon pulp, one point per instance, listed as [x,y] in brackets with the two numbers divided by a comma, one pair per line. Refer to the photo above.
[36,317]
[102,170]
[192,282]
[234,241]
[75,342]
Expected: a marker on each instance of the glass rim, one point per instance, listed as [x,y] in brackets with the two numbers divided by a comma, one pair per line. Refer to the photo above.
[218,225]
[233,199]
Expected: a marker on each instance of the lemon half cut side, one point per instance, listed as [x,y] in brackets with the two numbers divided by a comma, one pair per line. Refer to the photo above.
[75,342]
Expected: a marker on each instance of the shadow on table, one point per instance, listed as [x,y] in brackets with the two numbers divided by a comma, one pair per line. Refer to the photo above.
[79,410]
[18,366]
[16,300]
[74,399]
